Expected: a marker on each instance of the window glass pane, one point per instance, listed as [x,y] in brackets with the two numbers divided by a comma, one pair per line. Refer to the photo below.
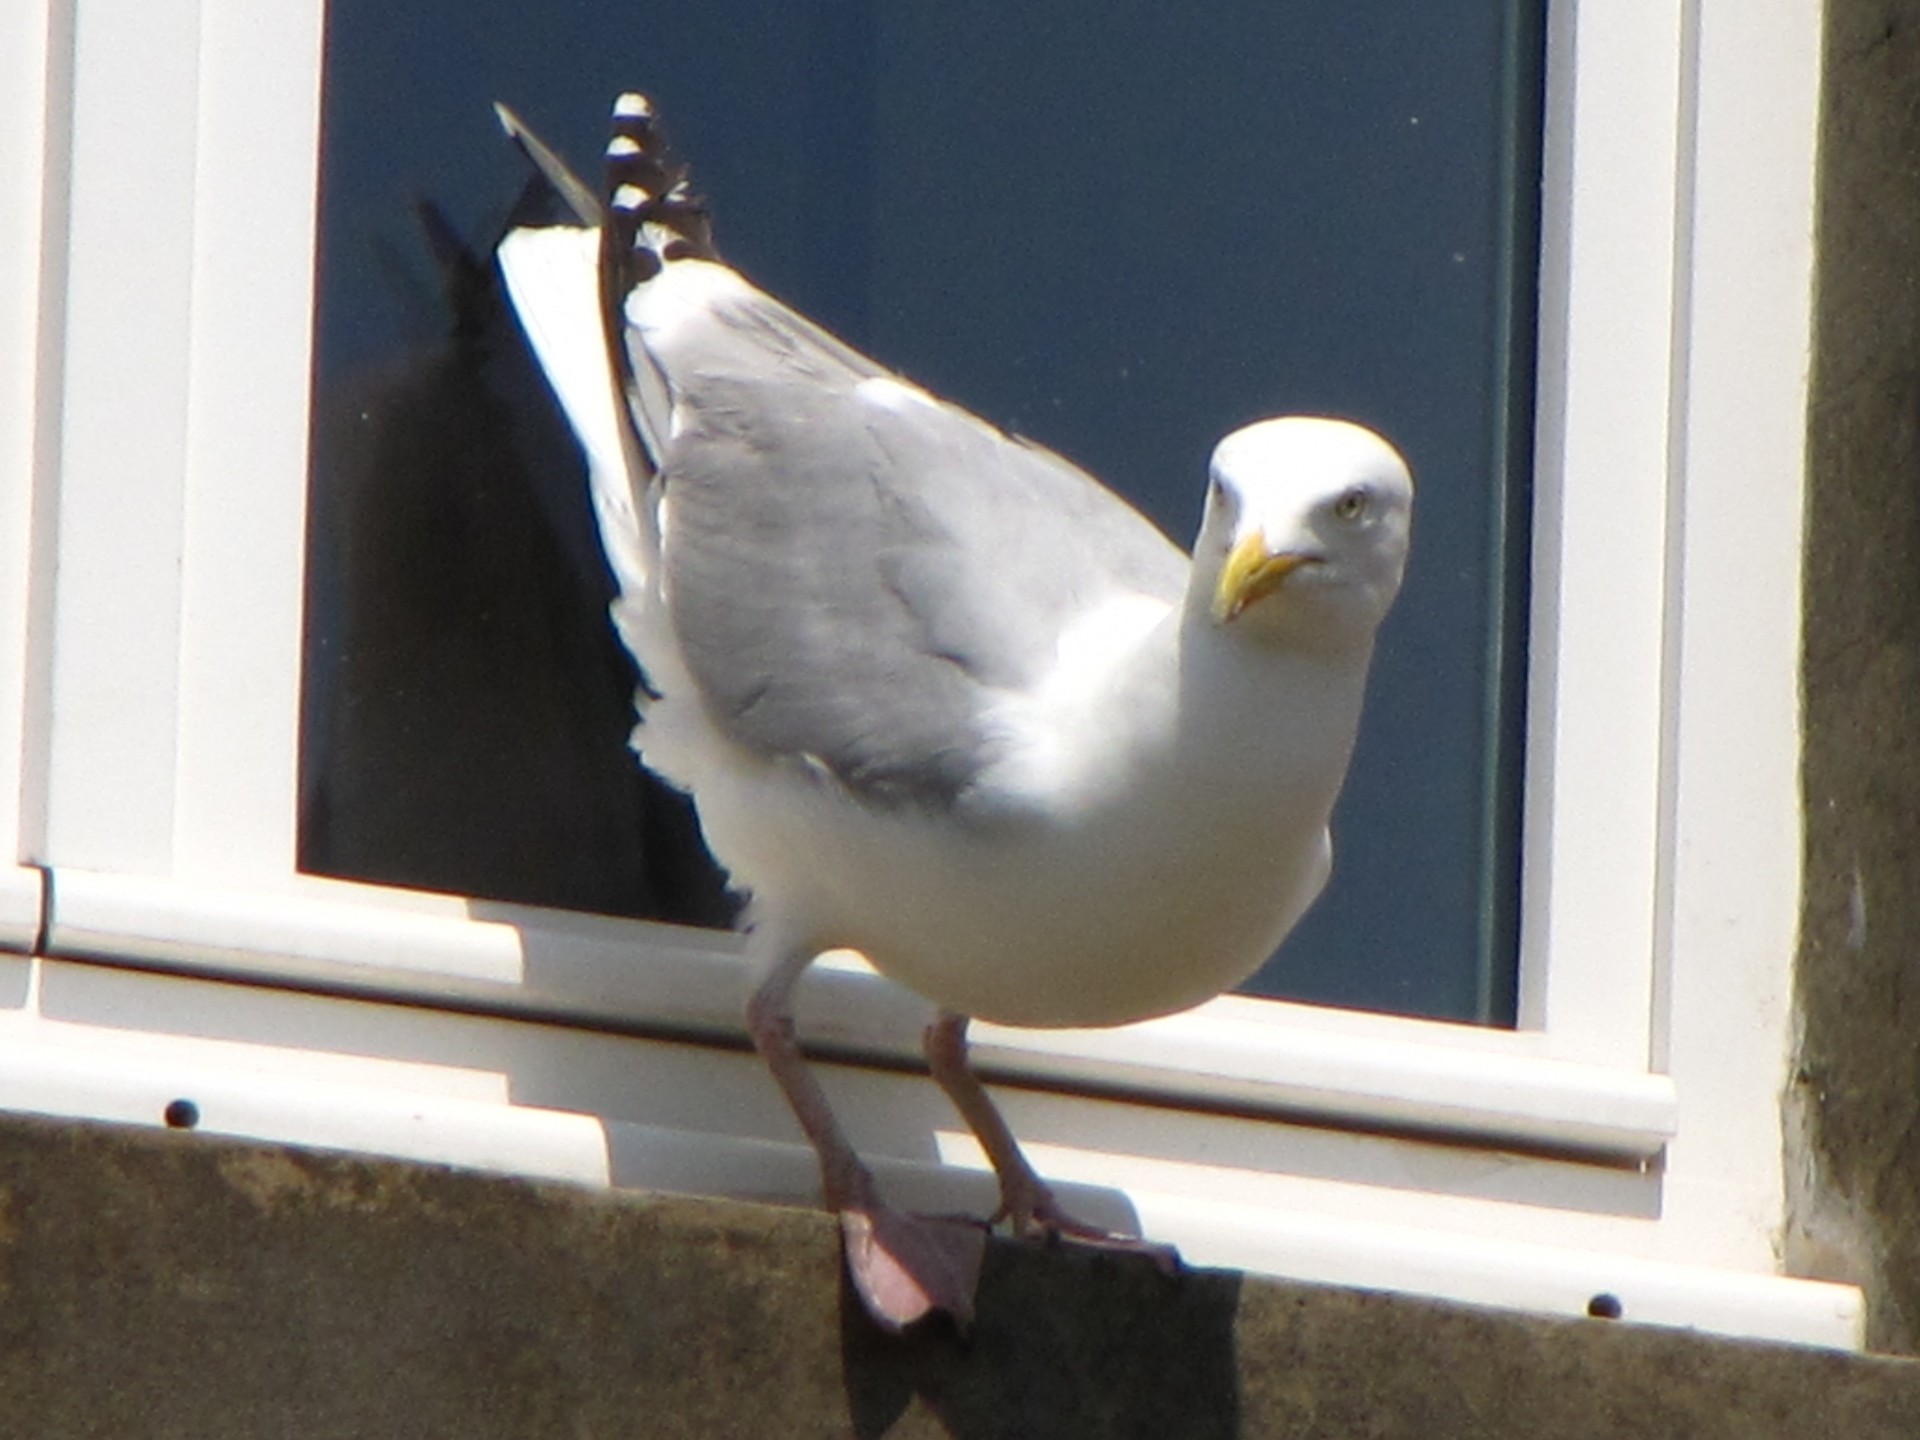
[1122,229]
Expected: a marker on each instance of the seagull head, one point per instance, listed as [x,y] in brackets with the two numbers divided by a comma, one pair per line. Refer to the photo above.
[1306,530]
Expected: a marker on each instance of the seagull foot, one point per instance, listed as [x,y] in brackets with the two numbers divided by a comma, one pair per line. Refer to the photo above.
[1041,1219]
[1166,1258]
[905,1267]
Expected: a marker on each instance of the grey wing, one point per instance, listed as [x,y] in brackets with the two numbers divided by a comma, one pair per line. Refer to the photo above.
[853,569]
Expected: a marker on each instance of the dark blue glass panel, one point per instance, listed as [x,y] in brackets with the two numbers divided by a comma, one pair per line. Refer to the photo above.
[1120,228]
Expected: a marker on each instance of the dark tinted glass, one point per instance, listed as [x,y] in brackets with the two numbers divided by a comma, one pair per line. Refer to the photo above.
[1123,229]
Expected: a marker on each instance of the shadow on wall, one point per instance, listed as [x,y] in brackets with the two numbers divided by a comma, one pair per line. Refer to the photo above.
[1064,1344]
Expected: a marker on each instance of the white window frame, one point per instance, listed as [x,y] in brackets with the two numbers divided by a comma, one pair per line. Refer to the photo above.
[155,323]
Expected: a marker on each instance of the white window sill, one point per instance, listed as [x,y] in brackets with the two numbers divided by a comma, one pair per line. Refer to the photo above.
[1463,1083]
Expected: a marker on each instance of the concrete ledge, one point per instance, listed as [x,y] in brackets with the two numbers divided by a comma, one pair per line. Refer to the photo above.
[161,1285]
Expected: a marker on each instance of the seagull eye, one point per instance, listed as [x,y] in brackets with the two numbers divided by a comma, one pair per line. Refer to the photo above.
[1352,505]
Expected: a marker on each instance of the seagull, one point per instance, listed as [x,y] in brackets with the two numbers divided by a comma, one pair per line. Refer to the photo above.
[938,695]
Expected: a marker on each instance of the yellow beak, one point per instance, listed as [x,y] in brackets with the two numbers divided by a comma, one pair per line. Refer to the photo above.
[1252,572]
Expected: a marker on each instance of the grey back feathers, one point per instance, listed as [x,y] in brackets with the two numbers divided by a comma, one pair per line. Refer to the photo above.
[853,569]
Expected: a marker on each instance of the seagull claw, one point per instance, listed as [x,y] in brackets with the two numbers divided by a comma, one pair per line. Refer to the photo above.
[905,1267]
[1038,1216]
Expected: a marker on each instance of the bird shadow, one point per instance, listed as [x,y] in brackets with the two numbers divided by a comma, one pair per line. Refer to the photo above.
[1065,1342]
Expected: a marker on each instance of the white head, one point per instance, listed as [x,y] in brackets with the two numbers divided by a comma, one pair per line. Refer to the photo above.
[1305,534]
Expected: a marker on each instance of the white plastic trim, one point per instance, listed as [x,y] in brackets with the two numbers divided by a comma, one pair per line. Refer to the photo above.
[693,982]
[120,436]
[26,40]
[20,889]
[1395,1084]
[1501,1272]
[1608,284]
[172,556]
[435,1129]
[1733,841]
[51,1079]
[236,776]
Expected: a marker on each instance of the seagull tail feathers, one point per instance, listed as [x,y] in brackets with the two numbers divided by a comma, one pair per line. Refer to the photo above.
[569,283]
[654,214]
[653,218]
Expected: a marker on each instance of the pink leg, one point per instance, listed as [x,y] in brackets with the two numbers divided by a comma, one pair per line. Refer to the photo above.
[844,1181]
[903,1266]
[1026,1202]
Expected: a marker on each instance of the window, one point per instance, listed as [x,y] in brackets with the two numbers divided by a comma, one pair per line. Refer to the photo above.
[1120,232]
[1623,1135]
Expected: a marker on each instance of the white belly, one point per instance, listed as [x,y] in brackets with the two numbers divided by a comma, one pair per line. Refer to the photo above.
[1135,911]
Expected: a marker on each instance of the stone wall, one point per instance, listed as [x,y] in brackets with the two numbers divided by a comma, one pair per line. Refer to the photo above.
[169,1286]
[1854,1103]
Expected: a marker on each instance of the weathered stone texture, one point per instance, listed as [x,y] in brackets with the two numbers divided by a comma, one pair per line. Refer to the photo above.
[1854,1104]
[158,1286]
